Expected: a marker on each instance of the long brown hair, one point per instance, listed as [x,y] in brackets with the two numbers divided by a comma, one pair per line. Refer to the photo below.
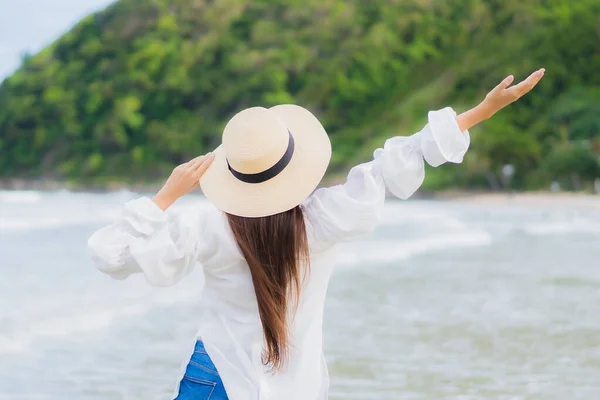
[276,250]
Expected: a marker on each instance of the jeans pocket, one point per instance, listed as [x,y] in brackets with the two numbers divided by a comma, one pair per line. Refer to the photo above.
[201,361]
[192,388]
[208,368]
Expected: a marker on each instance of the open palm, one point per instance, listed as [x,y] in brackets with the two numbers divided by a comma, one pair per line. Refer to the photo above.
[504,94]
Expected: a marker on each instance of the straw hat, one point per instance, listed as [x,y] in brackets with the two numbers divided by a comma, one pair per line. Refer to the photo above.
[270,160]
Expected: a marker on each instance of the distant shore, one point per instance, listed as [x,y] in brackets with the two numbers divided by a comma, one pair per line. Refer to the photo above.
[576,199]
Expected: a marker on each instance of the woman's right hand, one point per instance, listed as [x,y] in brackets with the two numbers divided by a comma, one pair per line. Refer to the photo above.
[183,179]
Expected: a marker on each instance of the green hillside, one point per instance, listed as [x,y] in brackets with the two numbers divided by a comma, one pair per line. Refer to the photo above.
[145,84]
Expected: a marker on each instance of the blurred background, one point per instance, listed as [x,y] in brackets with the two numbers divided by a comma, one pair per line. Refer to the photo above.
[487,285]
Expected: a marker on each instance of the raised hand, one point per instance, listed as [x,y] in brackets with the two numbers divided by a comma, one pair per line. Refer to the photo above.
[183,179]
[501,96]
[504,94]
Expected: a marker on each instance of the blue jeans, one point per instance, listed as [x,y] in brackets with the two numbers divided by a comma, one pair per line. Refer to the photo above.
[201,380]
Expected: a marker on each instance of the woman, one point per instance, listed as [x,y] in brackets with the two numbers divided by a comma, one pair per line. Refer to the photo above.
[267,246]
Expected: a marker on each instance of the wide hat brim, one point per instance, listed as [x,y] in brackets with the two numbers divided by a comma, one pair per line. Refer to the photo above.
[290,187]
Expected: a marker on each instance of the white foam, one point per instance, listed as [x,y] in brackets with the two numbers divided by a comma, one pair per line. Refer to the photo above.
[25,224]
[402,213]
[436,219]
[20,196]
[555,228]
[39,223]
[61,209]
[388,251]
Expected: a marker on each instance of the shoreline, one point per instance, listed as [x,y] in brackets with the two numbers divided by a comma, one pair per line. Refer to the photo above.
[533,198]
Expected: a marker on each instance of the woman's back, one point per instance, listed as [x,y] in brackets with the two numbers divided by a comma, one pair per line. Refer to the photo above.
[232,329]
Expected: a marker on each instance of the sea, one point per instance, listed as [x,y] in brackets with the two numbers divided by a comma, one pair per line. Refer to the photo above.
[446,300]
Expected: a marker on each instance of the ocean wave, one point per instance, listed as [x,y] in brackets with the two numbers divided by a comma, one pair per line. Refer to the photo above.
[20,196]
[435,219]
[385,251]
[556,228]
[18,225]
[30,211]
[404,213]
[83,319]
[30,223]
[19,341]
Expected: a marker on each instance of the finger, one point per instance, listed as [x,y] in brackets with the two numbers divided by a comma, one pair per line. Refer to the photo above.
[195,162]
[529,83]
[186,164]
[204,165]
[505,83]
[201,167]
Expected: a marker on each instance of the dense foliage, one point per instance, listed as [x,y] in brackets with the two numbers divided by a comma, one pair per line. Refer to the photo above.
[145,84]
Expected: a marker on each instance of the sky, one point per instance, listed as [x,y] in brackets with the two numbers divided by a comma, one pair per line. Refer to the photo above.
[29,25]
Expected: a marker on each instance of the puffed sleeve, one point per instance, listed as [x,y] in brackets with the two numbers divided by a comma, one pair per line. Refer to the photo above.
[145,239]
[346,212]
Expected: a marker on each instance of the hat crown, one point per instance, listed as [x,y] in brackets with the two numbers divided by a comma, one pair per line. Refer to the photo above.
[254,140]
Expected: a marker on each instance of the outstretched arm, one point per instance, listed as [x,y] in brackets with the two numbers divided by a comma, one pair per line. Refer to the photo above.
[351,210]
[501,96]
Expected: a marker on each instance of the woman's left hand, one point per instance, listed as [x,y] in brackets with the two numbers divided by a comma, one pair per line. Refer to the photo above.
[504,94]
[501,96]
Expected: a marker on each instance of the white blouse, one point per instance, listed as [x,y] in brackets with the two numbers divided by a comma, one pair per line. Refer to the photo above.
[165,248]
